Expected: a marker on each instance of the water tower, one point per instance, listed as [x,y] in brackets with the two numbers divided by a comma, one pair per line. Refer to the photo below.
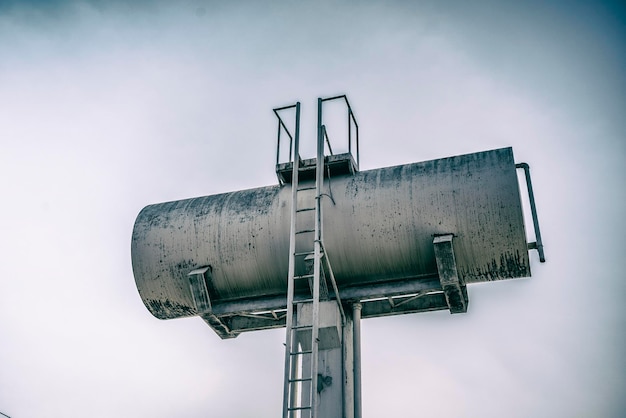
[330,245]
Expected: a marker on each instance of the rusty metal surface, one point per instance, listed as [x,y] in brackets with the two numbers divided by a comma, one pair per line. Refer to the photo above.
[380,229]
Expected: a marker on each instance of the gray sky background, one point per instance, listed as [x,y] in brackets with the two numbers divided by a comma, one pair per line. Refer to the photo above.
[107,107]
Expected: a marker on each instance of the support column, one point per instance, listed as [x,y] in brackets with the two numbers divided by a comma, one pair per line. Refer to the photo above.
[328,393]
[348,366]
[356,338]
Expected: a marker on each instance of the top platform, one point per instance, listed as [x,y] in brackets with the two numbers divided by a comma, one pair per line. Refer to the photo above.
[336,165]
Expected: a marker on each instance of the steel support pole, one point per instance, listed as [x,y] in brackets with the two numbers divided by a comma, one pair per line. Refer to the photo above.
[356,338]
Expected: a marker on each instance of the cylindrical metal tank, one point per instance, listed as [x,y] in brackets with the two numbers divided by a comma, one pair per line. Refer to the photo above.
[380,227]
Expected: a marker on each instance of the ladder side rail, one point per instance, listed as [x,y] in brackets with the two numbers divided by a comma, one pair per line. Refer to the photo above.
[319,180]
[289,339]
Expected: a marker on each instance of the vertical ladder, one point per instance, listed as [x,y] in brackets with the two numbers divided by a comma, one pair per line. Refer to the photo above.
[301,357]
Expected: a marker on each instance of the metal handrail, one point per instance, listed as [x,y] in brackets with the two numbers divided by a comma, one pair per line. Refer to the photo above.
[538,245]
[281,123]
[351,119]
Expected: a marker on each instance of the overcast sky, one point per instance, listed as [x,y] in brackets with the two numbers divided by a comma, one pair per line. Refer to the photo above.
[107,107]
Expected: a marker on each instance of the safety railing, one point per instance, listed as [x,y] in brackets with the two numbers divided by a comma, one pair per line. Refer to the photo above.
[351,121]
[282,127]
[353,130]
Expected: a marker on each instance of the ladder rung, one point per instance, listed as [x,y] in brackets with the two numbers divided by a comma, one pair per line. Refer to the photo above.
[304,209]
[295,302]
[307,188]
[298,408]
[304,253]
[306,276]
[302,326]
[305,231]
[297,353]
[301,379]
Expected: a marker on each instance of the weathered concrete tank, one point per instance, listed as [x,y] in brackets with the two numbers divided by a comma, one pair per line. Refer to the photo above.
[379,229]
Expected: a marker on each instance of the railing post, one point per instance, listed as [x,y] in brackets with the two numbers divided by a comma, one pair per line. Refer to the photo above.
[349,131]
[278,145]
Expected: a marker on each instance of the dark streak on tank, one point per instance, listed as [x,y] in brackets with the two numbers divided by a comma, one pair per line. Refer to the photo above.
[248,203]
[165,309]
[511,265]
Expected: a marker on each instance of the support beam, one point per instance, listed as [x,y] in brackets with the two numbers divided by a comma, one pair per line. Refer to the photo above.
[241,323]
[200,281]
[425,303]
[405,296]
[453,287]
[219,326]
[391,288]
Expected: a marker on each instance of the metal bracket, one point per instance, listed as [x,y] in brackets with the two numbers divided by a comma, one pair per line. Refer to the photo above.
[453,287]
[538,245]
[323,382]
[199,284]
